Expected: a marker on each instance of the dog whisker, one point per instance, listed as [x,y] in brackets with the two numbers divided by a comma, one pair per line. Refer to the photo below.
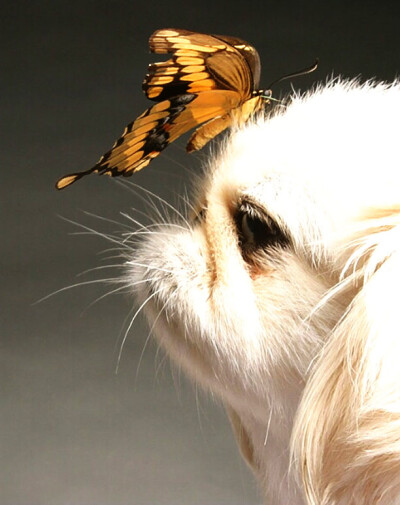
[152,295]
[160,312]
[162,201]
[112,280]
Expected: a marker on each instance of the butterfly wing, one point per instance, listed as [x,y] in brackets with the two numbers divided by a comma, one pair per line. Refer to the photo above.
[155,129]
[213,127]
[141,141]
[199,63]
[207,78]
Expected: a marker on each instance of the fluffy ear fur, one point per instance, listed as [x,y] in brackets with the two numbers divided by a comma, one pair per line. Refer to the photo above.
[346,439]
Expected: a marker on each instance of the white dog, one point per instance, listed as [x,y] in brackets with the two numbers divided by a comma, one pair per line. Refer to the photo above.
[281,294]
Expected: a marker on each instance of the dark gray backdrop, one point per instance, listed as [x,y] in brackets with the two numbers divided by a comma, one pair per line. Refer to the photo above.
[72,431]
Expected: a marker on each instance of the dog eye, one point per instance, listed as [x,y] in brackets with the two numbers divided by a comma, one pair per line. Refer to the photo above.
[251,229]
[257,232]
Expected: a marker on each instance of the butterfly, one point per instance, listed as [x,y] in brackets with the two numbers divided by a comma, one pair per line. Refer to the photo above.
[211,82]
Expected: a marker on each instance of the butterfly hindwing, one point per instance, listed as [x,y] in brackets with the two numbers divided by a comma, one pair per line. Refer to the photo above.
[213,127]
[142,140]
[145,138]
[251,57]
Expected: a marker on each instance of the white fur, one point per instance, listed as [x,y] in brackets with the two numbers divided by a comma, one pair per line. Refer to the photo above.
[301,342]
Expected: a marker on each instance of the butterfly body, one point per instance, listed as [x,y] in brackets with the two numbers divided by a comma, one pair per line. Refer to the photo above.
[210,83]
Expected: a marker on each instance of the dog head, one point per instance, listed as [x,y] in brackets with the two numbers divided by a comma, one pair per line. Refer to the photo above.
[279,293]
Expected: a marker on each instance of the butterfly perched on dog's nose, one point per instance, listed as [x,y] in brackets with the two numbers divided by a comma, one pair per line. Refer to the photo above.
[210,82]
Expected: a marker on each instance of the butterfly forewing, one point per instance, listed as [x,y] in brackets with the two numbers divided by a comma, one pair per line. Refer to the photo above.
[171,40]
[169,79]
[230,72]
[199,63]
[250,56]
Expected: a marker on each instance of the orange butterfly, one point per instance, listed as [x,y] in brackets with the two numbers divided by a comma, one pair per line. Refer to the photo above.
[209,79]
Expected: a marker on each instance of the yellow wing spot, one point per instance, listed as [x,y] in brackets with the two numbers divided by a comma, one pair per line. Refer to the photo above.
[135,140]
[154,116]
[195,77]
[189,61]
[179,39]
[154,91]
[186,53]
[135,157]
[119,152]
[160,64]
[124,164]
[118,156]
[166,104]
[134,147]
[194,47]
[145,128]
[66,181]
[159,46]
[141,165]
[129,139]
[192,69]
[205,84]
[166,71]
[167,33]
[185,42]
[161,80]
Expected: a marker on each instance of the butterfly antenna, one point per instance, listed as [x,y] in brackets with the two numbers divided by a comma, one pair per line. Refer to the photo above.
[304,71]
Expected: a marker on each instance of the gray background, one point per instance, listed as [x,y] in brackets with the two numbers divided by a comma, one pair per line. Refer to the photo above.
[73,431]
